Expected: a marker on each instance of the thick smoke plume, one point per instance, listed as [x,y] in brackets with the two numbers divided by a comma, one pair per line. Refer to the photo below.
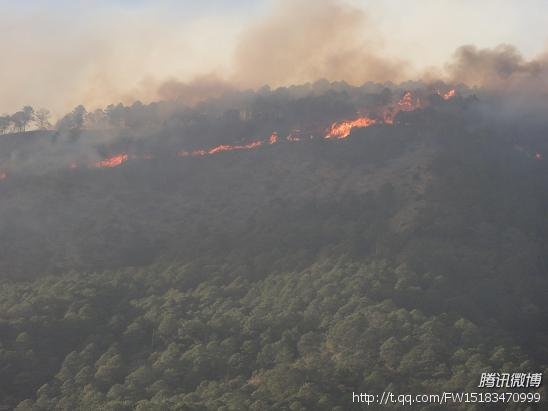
[195,91]
[303,42]
[132,56]
[502,68]
[300,41]
[123,56]
[512,88]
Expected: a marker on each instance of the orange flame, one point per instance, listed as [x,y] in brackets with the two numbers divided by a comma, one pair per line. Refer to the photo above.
[337,130]
[219,149]
[408,102]
[113,161]
[450,94]
[340,130]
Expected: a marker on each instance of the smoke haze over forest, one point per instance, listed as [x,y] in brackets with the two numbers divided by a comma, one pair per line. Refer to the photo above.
[122,52]
[247,205]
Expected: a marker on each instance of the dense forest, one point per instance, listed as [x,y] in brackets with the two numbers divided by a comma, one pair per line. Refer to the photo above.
[408,257]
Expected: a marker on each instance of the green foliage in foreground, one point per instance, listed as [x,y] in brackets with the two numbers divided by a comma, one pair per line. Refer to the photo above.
[301,340]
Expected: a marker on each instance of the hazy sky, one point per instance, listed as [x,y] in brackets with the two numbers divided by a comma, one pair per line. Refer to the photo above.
[61,53]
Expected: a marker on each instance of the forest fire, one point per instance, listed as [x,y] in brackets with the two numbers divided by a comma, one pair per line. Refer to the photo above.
[113,161]
[219,149]
[449,95]
[222,148]
[340,130]
[408,102]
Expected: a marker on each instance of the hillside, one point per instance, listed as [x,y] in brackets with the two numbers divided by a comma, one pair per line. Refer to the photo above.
[409,256]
